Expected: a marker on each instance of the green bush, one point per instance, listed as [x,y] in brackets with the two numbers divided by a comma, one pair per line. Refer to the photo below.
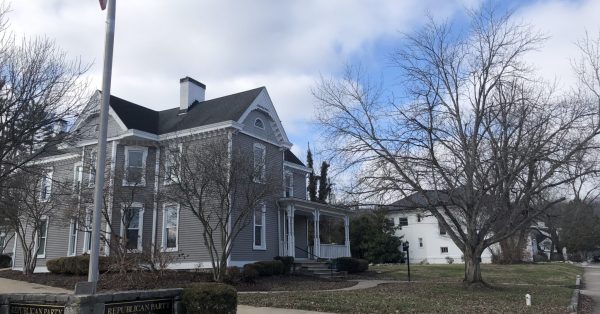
[5,261]
[209,297]
[233,274]
[351,265]
[249,273]
[288,263]
[75,265]
[269,268]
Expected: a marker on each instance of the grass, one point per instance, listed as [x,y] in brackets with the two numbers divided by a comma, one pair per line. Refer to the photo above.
[439,290]
[538,274]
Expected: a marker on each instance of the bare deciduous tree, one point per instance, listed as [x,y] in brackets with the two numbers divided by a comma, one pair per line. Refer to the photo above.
[29,202]
[222,187]
[40,91]
[475,125]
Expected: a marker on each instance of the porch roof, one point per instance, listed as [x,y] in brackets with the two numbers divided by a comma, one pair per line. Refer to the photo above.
[309,205]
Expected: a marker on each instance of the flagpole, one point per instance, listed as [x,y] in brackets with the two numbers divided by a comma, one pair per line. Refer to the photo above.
[101,160]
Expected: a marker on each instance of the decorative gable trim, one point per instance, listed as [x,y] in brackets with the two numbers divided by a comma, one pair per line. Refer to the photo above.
[264,103]
[93,107]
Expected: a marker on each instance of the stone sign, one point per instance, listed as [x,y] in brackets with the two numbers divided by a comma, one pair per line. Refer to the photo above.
[155,306]
[30,308]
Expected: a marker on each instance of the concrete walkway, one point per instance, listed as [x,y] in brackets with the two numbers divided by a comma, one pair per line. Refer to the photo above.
[245,309]
[362,284]
[591,279]
[14,286]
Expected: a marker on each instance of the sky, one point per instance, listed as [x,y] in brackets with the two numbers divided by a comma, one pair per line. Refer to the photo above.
[232,46]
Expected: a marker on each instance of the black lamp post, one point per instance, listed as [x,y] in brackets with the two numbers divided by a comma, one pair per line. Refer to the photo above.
[405,247]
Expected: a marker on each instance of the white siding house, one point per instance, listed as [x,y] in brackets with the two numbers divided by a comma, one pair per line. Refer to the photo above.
[428,241]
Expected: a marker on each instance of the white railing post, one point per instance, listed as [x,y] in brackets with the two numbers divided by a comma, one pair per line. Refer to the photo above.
[317,232]
[347,234]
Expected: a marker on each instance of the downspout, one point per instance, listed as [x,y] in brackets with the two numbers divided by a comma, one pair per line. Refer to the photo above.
[155,210]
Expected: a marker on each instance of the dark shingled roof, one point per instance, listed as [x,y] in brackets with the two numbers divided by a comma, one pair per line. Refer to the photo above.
[418,200]
[227,108]
[290,157]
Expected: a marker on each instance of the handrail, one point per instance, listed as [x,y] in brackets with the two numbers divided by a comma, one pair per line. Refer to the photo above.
[307,252]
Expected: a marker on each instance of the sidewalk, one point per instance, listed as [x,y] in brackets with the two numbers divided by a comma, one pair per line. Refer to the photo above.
[14,286]
[591,279]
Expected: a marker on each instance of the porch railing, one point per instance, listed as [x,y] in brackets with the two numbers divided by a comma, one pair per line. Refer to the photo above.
[333,251]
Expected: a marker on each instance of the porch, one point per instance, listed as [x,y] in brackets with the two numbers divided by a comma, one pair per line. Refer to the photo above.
[310,230]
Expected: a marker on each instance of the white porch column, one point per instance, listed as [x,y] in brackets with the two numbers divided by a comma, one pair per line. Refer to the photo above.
[347,234]
[291,241]
[317,233]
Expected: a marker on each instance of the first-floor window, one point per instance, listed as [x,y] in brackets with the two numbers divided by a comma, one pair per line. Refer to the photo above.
[402,221]
[170,227]
[259,228]
[131,227]
[42,237]
[72,239]
[444,249]
[420,242]
[87,240]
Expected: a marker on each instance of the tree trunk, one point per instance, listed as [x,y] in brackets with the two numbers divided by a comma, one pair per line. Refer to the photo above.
[473,268]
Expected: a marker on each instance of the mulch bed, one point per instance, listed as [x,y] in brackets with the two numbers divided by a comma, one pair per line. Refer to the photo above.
[586,304]
[176,279]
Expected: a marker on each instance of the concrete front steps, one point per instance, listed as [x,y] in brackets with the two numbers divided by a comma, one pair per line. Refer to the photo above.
[318,269]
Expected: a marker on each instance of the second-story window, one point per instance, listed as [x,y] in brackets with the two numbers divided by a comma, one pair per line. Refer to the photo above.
[289,184]
[442,229]
[402,221]
[46,185]
[135,161]
[259,163]
[173,164]
[92,165]
[77,176]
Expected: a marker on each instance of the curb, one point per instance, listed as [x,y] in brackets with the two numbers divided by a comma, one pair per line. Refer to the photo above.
[573,307]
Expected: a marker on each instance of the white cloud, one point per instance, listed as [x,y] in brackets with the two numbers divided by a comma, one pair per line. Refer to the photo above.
[228,45]
[565,22]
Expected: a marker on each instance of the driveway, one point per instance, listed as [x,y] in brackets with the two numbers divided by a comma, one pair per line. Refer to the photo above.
[591,278]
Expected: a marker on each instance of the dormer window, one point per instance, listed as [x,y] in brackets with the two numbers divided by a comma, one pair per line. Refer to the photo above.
[259,123]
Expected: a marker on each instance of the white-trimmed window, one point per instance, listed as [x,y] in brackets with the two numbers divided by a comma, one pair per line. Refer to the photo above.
[259,163]
[2,241]
[92,164]
[132,224]
[289,184]
[42,237]
[442,229]
[77,176]
[135,162]
[46,185]
[170,238]
[444,249]
[87,238]
[173,163]
[259,228]
[72,248]
[259,123]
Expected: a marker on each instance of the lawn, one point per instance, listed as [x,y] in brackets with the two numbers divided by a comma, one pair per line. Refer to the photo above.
[538,274]
[439,290]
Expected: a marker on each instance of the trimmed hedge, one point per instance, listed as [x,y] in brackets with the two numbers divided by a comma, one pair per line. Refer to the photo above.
[351,265]
[75,265]
[249,273]
[269,268]
[5,261]
[209,297]
[288,263]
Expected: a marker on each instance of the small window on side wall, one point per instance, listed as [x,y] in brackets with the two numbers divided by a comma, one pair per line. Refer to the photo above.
[444,249]
[259,123]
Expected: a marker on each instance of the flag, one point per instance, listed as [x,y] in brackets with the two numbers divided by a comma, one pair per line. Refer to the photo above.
[103,4]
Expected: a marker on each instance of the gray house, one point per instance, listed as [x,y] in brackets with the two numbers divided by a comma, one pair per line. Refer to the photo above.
[138,138]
